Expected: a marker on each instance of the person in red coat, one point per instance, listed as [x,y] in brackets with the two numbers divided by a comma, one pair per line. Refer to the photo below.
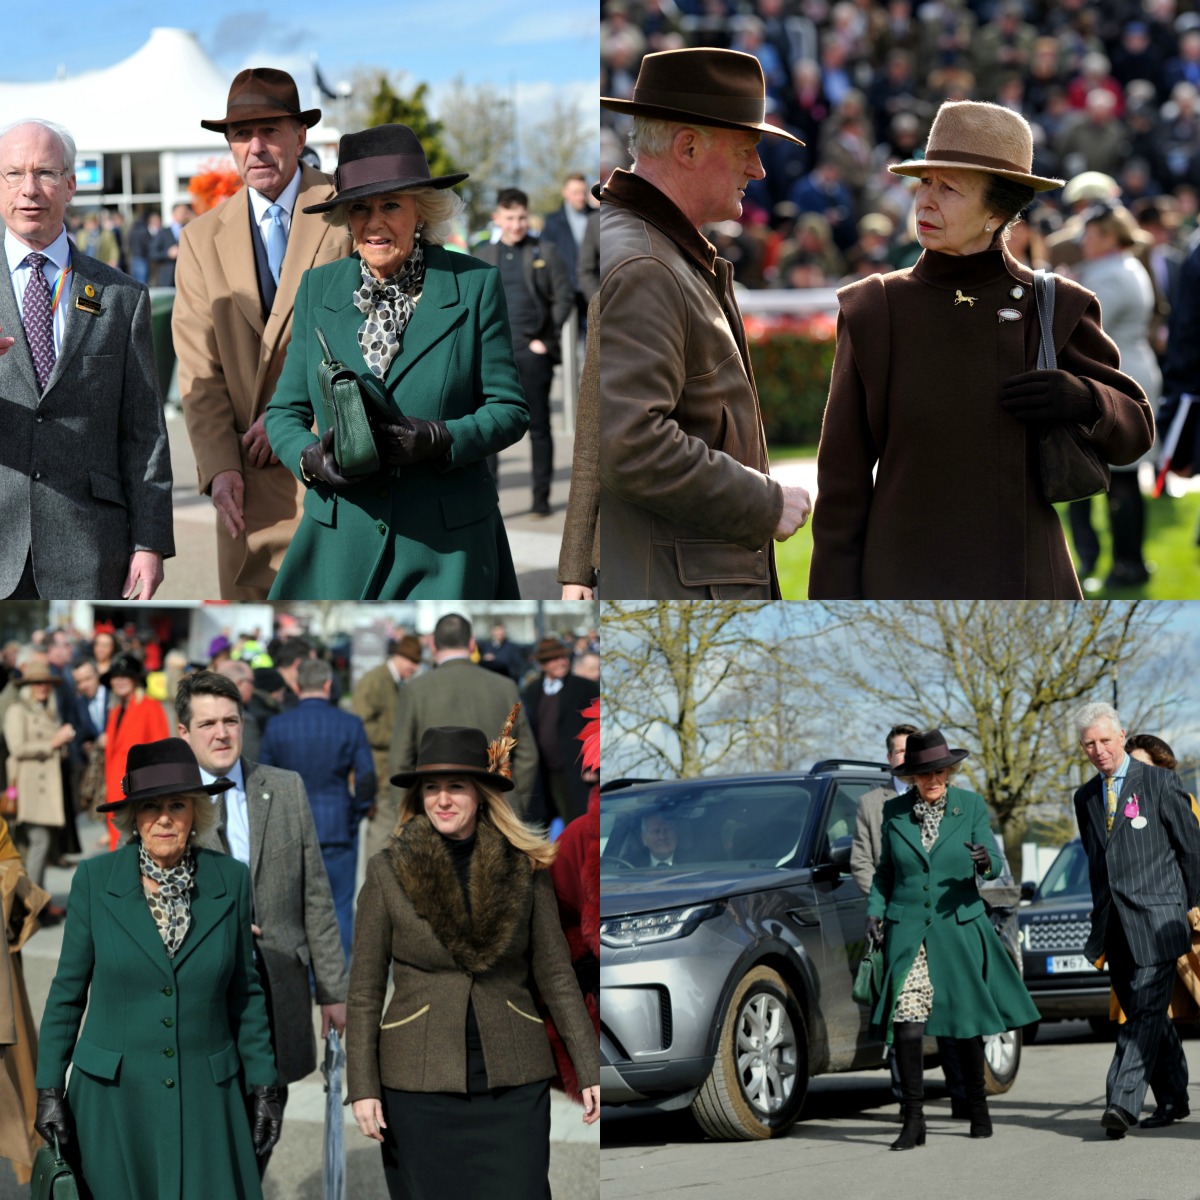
[134,718]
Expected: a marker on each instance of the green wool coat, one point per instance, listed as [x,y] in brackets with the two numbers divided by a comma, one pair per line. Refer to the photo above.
[932,897]
[168,1048]
[432,530]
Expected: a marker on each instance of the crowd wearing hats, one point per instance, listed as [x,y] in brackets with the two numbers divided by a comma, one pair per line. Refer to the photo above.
[1112,95]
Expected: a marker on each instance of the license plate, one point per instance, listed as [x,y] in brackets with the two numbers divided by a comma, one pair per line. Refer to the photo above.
[1068,962]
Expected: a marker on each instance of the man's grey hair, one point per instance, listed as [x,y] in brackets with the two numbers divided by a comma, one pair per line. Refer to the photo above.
[651,137]
[312,674]
[237,671]
[67,141]
[1088,715]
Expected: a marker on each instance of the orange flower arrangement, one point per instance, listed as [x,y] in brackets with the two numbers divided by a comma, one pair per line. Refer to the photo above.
[215,183]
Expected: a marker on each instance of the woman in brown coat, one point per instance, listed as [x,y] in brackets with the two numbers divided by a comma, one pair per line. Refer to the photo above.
[453,1079]
[934,391]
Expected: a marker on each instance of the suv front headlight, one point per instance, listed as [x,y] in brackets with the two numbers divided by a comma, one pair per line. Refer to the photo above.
[620,933]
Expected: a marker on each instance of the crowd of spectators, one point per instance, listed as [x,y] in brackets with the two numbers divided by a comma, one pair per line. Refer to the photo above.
[1111,89]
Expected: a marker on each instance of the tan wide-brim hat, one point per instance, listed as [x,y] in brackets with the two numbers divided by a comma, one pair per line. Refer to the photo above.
[722,88]
[970,135]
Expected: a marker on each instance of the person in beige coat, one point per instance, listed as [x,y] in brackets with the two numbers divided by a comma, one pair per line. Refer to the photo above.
[235,290]
[453,1078]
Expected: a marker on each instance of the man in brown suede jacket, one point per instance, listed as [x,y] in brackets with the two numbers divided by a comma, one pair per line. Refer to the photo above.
[686,502]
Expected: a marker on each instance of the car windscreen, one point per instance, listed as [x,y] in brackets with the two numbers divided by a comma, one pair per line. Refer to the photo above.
[716,824]
[1067,878]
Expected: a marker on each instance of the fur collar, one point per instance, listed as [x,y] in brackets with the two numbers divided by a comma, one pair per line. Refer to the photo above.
[501,877]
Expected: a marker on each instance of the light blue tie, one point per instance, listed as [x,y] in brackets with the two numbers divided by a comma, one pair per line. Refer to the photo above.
[276,241]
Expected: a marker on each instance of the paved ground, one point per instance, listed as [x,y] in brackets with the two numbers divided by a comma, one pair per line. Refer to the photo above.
[295,1171]
[1048,1143]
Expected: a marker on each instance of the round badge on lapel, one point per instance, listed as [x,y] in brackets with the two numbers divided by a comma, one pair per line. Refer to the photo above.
[89,291]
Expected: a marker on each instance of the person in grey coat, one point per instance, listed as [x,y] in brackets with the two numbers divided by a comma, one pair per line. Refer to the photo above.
[265,822]
[1143,849]
[85,475]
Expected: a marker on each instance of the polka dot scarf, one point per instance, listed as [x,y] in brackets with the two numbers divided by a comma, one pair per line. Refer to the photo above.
[387,305]
[171,905]
[930,816]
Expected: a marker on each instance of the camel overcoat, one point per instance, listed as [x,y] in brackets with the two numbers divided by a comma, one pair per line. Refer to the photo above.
[432,530]
[931,897]
[33,765]
[955,510]
[229,364]
[170,1046]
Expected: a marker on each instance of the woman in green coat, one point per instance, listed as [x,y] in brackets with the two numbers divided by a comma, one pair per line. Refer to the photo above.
[428,330]
[175,1048]
[946,972]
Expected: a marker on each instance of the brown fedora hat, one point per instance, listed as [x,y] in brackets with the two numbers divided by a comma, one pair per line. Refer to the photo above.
[260,92]
[972,135]
[724,88]
[550,648]
[407,647]
[164,768]
[453,750]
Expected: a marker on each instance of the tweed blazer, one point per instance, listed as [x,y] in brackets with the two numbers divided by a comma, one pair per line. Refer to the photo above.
[868,843]
[1148,877]
[230,360]
[293,905]
[414,921]
[688,508]
[579,555]
[85,474]
[461,693]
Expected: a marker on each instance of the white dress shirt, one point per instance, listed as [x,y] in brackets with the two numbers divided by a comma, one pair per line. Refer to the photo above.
[58,258]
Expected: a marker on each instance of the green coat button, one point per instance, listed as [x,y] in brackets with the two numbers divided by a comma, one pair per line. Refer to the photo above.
[381,527]
[169,1052]
[168,990]
[168,1083]
[928,904]
[168,1021]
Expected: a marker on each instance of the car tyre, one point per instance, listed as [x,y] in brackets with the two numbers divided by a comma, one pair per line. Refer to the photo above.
[1001,1060]
[744,1097]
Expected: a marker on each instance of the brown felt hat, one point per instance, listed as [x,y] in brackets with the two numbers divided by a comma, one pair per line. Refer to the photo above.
[970,135]
[723,88]
[163,768]
[407,647]
[453,750]
[550,648]
[38,672]
[260,92]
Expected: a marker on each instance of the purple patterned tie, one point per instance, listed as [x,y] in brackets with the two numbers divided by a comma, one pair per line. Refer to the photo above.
[38,319]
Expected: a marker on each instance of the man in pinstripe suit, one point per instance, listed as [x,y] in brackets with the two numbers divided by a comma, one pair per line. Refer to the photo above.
[1143,848]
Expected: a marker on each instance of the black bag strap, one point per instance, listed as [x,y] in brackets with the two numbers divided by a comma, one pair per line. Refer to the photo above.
[1043,294]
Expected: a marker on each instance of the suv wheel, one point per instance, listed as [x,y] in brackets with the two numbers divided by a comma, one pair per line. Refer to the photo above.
[760,1076]
[1001,1060]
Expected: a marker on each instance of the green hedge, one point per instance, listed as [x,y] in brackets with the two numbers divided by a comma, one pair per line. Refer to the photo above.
[792,365]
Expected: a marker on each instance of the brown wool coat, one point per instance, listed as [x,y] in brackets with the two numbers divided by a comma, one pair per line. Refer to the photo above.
[955,510]
[579,557]
[412,920]
[686,503]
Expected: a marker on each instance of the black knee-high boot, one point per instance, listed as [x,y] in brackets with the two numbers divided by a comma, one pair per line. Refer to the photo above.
[970,1053]
[910,1065]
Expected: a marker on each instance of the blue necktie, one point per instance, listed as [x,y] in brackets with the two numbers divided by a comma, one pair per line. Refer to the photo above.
[276,241]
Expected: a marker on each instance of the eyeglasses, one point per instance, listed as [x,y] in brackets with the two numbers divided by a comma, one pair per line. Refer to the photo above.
[44,177]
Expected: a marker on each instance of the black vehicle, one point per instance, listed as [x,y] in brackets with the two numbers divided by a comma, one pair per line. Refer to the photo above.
[1053,929]
[726,977]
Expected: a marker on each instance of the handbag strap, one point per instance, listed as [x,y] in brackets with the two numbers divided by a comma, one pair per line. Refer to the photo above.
[1043,294]
[326,353]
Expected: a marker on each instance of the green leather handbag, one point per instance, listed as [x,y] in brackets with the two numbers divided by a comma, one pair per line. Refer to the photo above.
[353,442]
[52,1179]
[868,981]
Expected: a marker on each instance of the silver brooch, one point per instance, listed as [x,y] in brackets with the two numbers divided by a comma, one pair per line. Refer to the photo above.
[1009,314]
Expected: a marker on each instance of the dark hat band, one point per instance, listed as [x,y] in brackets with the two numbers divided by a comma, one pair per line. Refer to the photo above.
[448,769]
[751,109]
[381,169]
[259,100]
[160,775]
[981,160]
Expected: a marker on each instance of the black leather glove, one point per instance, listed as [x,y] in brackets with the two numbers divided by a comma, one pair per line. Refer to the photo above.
[53,1116]
[979,856]
[874,931]
[267,1119]
[587,974]
[317,462]
[412,441]
[1048,396]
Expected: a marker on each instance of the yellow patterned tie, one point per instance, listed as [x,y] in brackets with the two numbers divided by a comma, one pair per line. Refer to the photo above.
[1112,804]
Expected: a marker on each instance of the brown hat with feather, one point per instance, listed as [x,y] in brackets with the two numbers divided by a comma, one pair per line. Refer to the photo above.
[458,750]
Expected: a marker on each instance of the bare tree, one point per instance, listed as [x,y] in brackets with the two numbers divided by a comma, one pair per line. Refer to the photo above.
[561,142]
[478,128]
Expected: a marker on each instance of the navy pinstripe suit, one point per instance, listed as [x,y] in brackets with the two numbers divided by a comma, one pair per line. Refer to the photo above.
[1144,880]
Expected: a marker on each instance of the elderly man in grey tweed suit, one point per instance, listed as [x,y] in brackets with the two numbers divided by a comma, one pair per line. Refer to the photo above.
[85,476]
[1143,849]
[265,822]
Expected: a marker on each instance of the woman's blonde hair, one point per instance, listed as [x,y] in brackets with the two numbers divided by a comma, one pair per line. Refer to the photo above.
[204,814]
[496,810]
[437,208]
[911,780]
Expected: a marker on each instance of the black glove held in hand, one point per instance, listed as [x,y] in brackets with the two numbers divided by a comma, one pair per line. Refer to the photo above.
[874,931]
[317,462]
[979,856]
[412,441]
[1048,396]
[267,1120]
[53,1116]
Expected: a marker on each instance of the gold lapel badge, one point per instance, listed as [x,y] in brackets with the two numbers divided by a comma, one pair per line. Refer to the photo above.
[959,298]
[88,290]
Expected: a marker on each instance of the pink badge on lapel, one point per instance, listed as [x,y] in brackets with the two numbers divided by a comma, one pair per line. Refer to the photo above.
[1131,809]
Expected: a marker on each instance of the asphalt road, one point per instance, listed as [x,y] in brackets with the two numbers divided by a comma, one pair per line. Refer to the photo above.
[1048,1142]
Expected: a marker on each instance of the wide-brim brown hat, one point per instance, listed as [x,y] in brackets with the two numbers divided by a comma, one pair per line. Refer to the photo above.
[260,92]
[386,158]
[453,750]
[164,768]
[407,647]
[972,135]
[925,752]
[550,648]
[722,88]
